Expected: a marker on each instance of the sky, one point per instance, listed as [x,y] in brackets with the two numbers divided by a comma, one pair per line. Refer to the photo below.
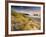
[26,8]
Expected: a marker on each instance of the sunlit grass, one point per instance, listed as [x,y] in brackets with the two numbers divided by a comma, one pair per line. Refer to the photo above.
[23,22]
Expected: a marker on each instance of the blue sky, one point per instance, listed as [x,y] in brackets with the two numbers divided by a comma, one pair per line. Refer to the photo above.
[19,8]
